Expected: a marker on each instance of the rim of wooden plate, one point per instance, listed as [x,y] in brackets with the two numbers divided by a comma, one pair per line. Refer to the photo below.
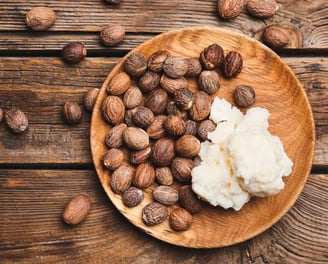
[188,241]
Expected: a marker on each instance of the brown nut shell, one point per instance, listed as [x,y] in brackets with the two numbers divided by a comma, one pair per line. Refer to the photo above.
[184,98]
[121,178]
[201,107]
[187,146]
[156,101]
[2,114]
[194,67]
[262,9]
[171,85]
[164,175]
[119,84]
[175,67]
[209,81]
[232,64]
[154,213]
[157,59]
[132,97]
[16,120]
[112,35]
[204,128]
[228,9]
[139,156]
[174,125]
[189,200]
[145,176]
[90,98]
[165,195]
[74,52]
[40,18]
[135,64]
[135,138]
[142,116]
[114,137]
[77,209]
[181,169]
[212,56]
[191,128]
[180,220]
[276,37]
[132,197]
[244,95]
[72,112]
[113,109]
[149,81]
[162,152]
[113,158]
[156,129]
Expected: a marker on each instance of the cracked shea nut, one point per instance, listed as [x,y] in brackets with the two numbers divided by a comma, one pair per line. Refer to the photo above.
[209,82]
[156,101]
[165,195]
[132,197]
[175,67]
[114,137]
[121,178]
[174,125]
[180,220]
[16,120]
[145,175]
[228,9]
[157,59]
[181,169]
[244,95]
[119,84]
[135,64]
[77,209]
[112,35]
[149,81]
[90,98]
[154,213]
[72,112]
[232,64]
[212,57]
[162,152]
[74,52]
[135,138]
[201,107]
[276,37]
[187,146]
[132,97]
[113,158]
[184,98]
[113,109]
[40,18]
[262,9]
[142,116]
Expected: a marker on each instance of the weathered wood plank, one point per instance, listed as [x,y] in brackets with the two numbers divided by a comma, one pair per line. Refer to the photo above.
[310,17]
[31,228]
[40,87]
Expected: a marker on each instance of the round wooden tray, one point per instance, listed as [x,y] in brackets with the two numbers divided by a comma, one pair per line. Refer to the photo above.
[277,89]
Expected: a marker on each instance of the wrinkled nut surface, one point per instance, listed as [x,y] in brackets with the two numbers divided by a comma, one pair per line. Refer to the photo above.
[228,9]
[189,200]
[180,220]
[90,98]
[121,178]
[191,128]
[232,64]
[114,137]
[132,97]
[113,109]
[201,107]
[164,175]
[2,113]
[154,213]
[204,128]
[181,169]
[119,84]
[145,176]
[157,59]
[162,152]
[135,138]
[174,125]
[40,18]
[77,209]
[212,56]
[165,195]
[244,95]
[74,52]
[72,112]
[135,64]
[132,197]
[184,98]
[194,67]
[209,81]
[139,156]
[276,37]
[113,158]
[112,35]
[149,81]
[171,85]
[187,146]
[175,67]
[128,118]
[156,101]
[172,109]
[16,120]
[142,116]
[156,129]
[262,9]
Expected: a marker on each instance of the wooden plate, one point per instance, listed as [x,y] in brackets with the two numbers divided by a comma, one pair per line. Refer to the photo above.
[277,89]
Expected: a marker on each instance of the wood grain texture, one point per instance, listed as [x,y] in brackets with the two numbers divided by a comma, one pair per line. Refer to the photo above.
[277,89]
[310,17]
[40,87]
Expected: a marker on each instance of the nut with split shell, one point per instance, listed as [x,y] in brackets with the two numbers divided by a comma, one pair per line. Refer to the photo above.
[204,128]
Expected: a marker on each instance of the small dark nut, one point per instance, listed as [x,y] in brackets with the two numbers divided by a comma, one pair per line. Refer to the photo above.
[157,101]
[145,176]
[157,59]
[77,209]
[180,220]
[172,109]
[164,176]
[113,109]
[132,97]
[142,116]
[154,213]
[194,67]
[16,120]
[112,35]
[2,113]
[174,125]
[191,128]
[128,118]
[212,57]
[90,98]
[162,152]
[232,64]
[187,146]
[135,138]
[132,197]
[40,18]
[171,85]
[121,178]
[201,107]
[114,138]
[166,195]
[175,67]
[205,127]
[156,129]
[149,81]
[74,52]
[262,9]
[228,9]
[139,156]
[113,158]
[72,112]
[184,98]
[189,200]
[209,82]
[135,64]
[181,169]
[119,84]
[244,95]
[276,37]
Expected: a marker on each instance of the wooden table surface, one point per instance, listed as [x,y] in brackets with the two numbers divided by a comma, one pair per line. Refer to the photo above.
[41,169]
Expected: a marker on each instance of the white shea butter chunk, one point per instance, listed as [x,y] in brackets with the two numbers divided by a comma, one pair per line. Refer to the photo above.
[242,160]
